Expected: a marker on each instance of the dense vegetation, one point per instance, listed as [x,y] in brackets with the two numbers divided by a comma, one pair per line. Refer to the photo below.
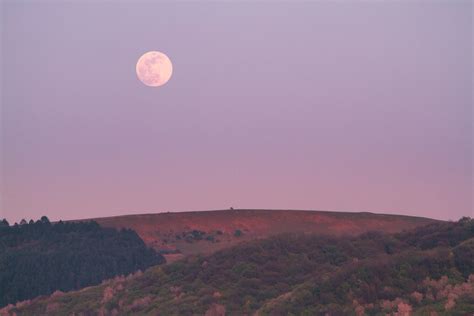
[426,270]
[39,258]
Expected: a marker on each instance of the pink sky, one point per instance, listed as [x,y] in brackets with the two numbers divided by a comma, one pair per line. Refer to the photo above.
[348,106]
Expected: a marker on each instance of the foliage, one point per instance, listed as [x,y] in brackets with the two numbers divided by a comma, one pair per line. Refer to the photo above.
[40,257]
[197,235]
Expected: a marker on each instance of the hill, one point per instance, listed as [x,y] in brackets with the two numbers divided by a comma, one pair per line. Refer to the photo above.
[425,271]
[204,232]
[39,258]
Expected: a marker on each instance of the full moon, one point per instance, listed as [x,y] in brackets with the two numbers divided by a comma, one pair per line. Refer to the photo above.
[154,69]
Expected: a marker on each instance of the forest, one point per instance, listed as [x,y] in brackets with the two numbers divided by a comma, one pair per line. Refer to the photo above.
[38,258]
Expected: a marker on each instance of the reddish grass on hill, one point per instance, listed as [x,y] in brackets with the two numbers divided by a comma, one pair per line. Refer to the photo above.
[207,231]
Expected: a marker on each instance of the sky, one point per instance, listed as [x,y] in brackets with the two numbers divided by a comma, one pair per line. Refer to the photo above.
[337,105]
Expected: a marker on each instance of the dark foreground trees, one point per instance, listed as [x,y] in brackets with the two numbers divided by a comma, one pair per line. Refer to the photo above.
[41,257]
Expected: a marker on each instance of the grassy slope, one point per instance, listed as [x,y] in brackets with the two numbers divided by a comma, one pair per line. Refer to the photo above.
[160,230]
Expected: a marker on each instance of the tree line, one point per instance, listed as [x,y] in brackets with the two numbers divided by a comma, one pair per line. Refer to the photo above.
[40,257]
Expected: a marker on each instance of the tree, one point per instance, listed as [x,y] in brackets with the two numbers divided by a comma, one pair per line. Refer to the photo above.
[82,253]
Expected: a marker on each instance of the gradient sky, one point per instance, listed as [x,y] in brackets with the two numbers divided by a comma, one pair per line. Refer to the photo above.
[356,106]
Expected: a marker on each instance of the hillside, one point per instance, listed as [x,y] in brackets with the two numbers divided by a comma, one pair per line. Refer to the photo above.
[425,271]
[207,231]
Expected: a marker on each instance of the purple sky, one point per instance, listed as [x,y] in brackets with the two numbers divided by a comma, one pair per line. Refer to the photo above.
[356,106]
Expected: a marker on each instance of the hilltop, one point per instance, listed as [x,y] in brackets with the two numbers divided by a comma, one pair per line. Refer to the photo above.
[204,232]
